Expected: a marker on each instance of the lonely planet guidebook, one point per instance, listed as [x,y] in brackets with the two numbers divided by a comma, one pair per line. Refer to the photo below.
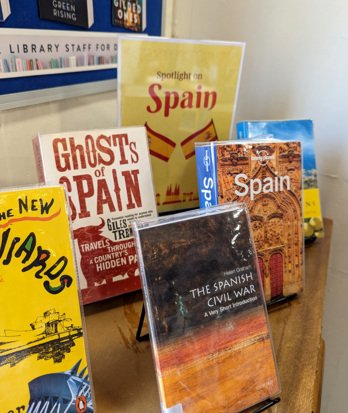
[208,324]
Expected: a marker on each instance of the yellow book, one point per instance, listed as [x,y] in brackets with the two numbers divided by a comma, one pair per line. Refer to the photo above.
[43,361]
[184,92]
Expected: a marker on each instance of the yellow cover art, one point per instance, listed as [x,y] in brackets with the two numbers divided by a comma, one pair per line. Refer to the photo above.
[183,92]
[42,350]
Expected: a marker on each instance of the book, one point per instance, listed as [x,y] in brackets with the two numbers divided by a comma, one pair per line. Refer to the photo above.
[129,14]
[73,12]
[107,174]
[184,91]
[267,176]
[208,325]
[5,9]
[303,130]
[43,355]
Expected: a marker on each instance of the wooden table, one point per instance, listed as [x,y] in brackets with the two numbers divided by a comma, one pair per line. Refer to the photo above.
[122,368]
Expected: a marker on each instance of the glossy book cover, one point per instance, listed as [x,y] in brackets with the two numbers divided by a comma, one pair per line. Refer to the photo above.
[108,178]
[183,91]
[72,12]
[43,362]
[209,330]
[302,130]
[267,176]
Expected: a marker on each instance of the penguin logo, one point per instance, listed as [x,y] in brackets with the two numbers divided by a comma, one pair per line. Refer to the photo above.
[81,404]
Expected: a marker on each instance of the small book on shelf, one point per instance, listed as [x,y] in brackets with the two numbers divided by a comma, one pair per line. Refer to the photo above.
[267,176]
[107,174]
[129,14]
[5,10]
[43,355]
[72,12]
[208,322]
[302,130]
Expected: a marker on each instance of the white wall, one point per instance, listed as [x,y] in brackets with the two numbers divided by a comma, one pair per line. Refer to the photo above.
[296,66]
[19,126]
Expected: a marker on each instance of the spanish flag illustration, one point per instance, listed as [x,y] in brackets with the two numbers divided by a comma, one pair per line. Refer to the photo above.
[160,146]
[206,134]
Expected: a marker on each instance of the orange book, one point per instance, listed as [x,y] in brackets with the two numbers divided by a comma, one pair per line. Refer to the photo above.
[208,323]
[267,176]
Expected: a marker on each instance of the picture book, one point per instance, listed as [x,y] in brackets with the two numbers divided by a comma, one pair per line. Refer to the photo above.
[107,175]
[267,176]
[209,330]
[183,91]
[72,12]
[129,14]
[5,10]
[302,130]
[43,356]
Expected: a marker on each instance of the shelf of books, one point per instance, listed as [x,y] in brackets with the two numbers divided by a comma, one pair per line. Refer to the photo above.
[37,52]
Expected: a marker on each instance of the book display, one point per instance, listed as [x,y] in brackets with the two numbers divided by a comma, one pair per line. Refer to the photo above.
[266,175]
[72,12]
[108,178]
[129,14]
[302,130]
[185,247]
[43,362]
[184,92]
[206,311]
[5,10]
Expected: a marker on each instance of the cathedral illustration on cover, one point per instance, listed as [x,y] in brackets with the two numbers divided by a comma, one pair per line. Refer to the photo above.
[43,359]
[267,176]
[206,311]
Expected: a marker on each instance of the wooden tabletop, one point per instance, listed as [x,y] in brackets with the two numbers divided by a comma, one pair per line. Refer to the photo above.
[122,368]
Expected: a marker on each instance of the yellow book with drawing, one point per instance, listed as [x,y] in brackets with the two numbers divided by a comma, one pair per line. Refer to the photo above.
[43,362]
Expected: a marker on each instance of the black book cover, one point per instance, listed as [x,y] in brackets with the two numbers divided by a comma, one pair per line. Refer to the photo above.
[130,14]
[73,12]
[206,310]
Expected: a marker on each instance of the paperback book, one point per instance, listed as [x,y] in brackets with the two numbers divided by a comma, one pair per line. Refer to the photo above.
[267,176]
[302,130]
[129,14]
[184,92]
[72,12]
[107,175]
[210,336]
[5,10]
[43,356]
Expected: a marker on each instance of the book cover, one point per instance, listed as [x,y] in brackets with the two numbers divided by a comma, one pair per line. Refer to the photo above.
[107,174]
[5,10]
[267,176]
[209,331]
[73,12]
[43,362]
[129,14]
[302,130]
[184,91]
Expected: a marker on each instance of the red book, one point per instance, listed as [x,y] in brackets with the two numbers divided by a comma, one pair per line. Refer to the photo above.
[108,178]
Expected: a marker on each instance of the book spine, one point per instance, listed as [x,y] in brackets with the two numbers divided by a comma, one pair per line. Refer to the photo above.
[242,130]
[206,175]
